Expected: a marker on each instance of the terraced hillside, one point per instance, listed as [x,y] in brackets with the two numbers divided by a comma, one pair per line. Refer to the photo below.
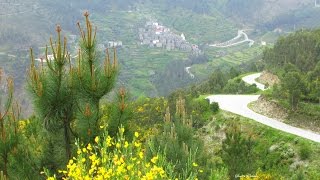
[139,64]
[30,23]
[224,58]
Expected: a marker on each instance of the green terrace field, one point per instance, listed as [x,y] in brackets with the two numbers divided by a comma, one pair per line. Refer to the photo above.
[139,63]
[119,25]
[232,56]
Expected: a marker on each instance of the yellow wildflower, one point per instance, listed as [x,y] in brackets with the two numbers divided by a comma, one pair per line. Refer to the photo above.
[101,162]
[126,144]
[121,160]
[136,134]
[78,151]
[194,164]
[141,155]
[96,139]
[140,109]
[154,159]
[120,169]
[89,147]
[91,171]
[122,130]
[137,144]
[108,141]
[129,167]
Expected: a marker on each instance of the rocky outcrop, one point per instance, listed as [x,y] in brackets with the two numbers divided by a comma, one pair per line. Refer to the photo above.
[268,78]
[269,108]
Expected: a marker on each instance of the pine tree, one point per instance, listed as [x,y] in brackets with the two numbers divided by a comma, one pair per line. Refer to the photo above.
[8,125]
[52,92]
[91,81]
[120,112]
[238,152]
[66,95]
[294,84]
[178,142]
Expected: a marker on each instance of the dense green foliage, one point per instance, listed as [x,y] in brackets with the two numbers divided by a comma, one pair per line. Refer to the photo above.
[92,81]
[295,60]
[52,92]
[9,136]
[300,49]
[178,143]
[271,151]
[238,152]
[228,82]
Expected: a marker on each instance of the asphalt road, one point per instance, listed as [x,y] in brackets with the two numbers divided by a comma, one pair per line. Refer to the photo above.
[238,104]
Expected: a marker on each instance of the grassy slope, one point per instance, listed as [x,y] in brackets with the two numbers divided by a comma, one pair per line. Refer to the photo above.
[276,162]
[307,115]
[234,56]
[268,137]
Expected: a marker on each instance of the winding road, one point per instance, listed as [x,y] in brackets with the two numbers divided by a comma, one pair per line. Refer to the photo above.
[188,71]
[238,104]
[234,41]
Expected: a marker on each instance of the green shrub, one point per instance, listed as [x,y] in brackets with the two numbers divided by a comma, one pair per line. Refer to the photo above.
[219,174]
[299,175]
[117,158]
[304,152]
[214,107]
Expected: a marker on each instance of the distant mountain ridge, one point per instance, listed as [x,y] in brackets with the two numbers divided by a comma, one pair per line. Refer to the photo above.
[29,22]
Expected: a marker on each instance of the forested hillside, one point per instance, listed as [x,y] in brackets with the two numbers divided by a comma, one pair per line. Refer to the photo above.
[295,60]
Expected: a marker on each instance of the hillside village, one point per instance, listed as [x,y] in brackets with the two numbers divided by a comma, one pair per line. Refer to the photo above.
[156,35]
[153,34]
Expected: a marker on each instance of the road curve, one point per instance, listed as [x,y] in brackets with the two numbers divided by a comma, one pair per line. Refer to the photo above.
[238,104]
[188,71]
[251,79]
[231,42]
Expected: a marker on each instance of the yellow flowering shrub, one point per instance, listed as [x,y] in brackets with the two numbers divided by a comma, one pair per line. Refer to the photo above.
[115,158]
[22,125]
[258,176]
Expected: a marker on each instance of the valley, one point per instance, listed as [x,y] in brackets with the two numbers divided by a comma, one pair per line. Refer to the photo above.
[160,89]
[201,29]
